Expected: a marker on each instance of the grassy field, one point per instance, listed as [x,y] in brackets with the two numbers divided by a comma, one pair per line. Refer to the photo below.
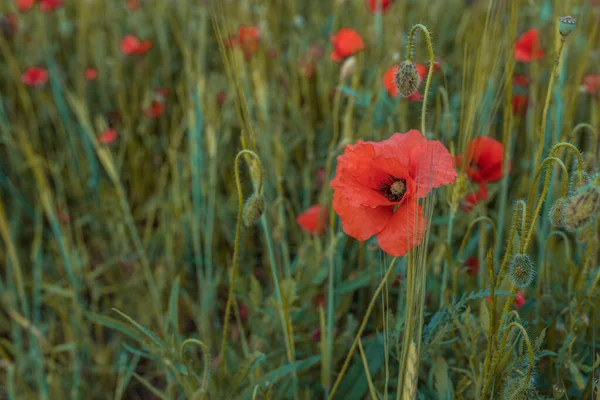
[299,199]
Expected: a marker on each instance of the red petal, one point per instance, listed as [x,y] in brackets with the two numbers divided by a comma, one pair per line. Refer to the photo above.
[50,5]
[528,46]
[373,5]
[25,5]
[347,42]
[361,222]
[487,155]
[431,166]
[388,80]
[519,300]
[143,47]
[91,74]
[591,83]
[129,44]
[35,76]
[108,136]
[313,220]
[404,230]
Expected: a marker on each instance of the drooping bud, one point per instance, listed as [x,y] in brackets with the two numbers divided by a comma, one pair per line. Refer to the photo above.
[577,181]
[406,78]
[566,25]
[557,212]
[522,270]
[582,207]
[253,209]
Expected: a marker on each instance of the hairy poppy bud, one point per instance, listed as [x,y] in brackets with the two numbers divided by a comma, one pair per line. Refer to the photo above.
[406,78]
[522,270]
[566,25]
[557,212]
[577,181]
[582,207]
[253,210]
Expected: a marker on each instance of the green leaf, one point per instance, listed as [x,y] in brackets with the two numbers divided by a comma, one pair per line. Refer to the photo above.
[577,376]
[256,295]
[540,340]
[145,331]
[245,368]
[440,374]
[148,385]
[484,317]
[115,324]
[173,313]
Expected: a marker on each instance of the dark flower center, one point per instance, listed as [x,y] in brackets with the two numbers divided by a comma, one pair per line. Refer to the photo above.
[393,189]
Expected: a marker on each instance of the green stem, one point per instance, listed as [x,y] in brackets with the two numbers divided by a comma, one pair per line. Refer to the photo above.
[409,48]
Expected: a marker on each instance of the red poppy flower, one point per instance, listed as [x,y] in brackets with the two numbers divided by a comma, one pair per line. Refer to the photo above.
[390,86]
[528,47]
[377,186]
[131,45]
[373,5]
[472,199]
[108,136]
[519,103]
[91,74]
[484,158]
[25,5]
[50,5]
[35,76]
[247,38]
[221,97]
[316,335]
[155,110]
[313,220]
[134,5]
[591,83]
[519,300]
[472,266]
[521,80]
[346,42]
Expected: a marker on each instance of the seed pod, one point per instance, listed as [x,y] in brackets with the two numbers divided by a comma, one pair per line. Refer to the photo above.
[582,207]
[406,78]
[566,25]
[557,212]
[253,210]
[522,270]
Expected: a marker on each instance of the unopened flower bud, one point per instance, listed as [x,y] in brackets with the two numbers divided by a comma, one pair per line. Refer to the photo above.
[253,210]
[577,181]
[582,207]
[522,270]
[557,212]
[406,78]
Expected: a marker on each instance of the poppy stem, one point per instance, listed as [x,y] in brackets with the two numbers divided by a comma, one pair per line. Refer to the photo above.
[409,51]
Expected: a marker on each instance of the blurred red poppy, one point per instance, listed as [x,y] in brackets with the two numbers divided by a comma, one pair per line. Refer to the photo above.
[134,5]
[484,157]
[25,5]
[528,47]
[221,97]
[374,5]
[313,220]
[519,300]
[521,80]
[346,42]
[591,83]
[316,335]
[91,74]
[472,266]
[519,103]
[155,110]
[35,76]
[131,45]
[390,85]
[108,136]
[472,199]
[50,5]
[247,39]
[377,186]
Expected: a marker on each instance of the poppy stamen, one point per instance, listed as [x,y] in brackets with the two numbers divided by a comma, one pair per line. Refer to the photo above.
[393,189]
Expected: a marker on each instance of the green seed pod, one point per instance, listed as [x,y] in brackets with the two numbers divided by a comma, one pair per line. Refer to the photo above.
[566,25]
[253,210]
[406,78]
[522,270]
[581,208]
[557,212]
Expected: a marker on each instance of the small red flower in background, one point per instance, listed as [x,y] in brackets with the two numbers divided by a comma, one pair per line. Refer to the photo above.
[134,5]
[390,86]
[221,97]
[155,110]
[519,300]
[319,301]
[131,45]
[519,104]
[528,47]
[377,186]
[108,136]
[472,266]
[247,39]
[313,220]
[373,5]
[521,80]
[91,74]
[346,42]
[591,83]
[397,280]
[50,5]
[35,76]
[316,335]
[25,5]
[472,199]
[484,157]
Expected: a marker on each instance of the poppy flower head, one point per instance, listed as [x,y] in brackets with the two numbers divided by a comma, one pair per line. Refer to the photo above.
[108,136]
[134,5]
[25,5]
[47,6]
[91,74]
[131,45]
[316,335]
[389,81]
[519,103]
[472,199]
[377,186]
[35,76]
[374,5]
[313,220]
[346,42]
[591,83]
[472,266]
[519,300]
[155,110]
[528,47]
[249,39]
[483,159]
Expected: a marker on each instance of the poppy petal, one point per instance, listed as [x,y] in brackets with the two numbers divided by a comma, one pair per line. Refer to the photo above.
[313,220]
[431,166]
[404,230]
[360,222]
[389,80]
